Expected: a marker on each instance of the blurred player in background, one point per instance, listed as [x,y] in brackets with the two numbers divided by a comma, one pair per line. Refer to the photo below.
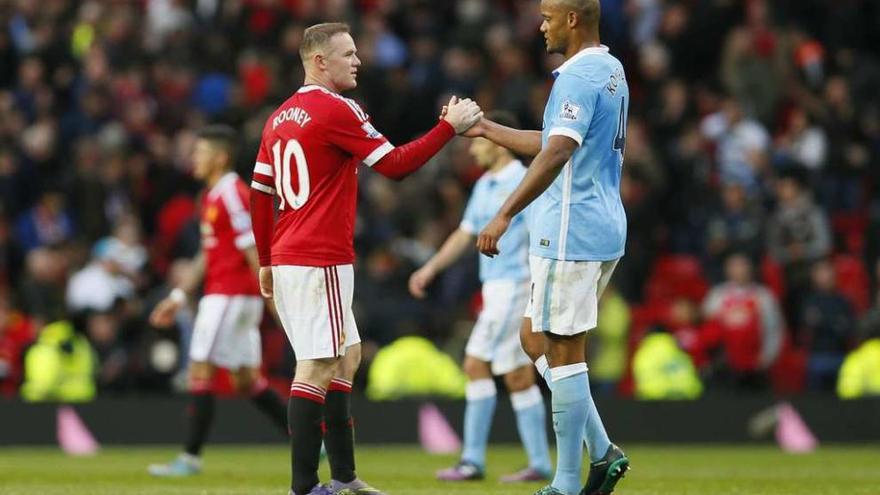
[226,330]
[577,230]
[311,149]
[494,347]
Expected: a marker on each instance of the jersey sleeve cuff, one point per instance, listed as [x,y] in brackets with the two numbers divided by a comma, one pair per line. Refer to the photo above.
[567,132]
[262,188]
[263,169]
[378,154]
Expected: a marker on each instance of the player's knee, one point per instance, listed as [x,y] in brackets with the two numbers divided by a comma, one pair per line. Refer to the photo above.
[318,371]
[519,379]
[352,360]
[200,377]
[245,380]
[476,369]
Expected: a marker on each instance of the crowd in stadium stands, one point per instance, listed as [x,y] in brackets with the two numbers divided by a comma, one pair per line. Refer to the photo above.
[750,178]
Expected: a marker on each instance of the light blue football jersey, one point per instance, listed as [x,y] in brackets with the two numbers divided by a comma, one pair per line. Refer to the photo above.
[580,217]
[490,192]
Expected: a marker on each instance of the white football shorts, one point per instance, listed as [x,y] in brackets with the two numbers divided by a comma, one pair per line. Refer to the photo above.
[495,337]
[565,294]
[226,331]
[314,305]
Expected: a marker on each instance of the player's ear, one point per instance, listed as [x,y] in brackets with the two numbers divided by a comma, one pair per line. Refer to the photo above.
[572,19]
[318,59]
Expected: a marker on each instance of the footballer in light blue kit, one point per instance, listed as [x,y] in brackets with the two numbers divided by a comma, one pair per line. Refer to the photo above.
[577,231]
[494,345]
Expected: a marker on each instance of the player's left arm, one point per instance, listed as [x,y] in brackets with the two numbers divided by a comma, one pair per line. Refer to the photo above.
[543,171]
[572,103]
[352,131]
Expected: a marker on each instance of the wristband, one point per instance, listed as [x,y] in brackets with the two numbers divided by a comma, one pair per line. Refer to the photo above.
[177,295]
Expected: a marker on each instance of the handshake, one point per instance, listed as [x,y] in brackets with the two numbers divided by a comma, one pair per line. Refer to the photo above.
[462,115]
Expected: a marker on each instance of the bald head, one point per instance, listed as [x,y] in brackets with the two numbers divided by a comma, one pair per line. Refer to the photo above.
[587,10]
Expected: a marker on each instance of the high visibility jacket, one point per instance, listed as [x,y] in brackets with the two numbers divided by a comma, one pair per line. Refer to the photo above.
[860,373]
[412,366]
[662,370]
[59,367]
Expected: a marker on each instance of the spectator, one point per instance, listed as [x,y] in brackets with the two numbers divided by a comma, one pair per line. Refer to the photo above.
[826,327]
[42,287]
[798,235]
[736,225]
[744,321]
[741,144]
[803,142]
[47,223]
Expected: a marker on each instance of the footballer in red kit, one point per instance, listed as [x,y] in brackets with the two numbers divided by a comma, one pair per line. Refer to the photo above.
[226,329]
[309,156]
[311,148]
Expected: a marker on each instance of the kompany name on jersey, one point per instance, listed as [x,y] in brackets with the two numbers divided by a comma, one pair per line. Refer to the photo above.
[295,114]
[614,81]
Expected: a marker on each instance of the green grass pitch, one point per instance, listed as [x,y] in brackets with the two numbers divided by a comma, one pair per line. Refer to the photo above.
[257,470]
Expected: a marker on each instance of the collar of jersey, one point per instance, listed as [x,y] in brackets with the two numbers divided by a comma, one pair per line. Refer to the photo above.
[593,50]
[508,171]
[312,87]
[218,187]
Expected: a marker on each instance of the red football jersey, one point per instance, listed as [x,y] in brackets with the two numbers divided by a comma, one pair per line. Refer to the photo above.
[226,231]
[309,154]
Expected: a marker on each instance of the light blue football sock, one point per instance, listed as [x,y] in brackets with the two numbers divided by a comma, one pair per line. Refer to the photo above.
[481,398]
[570,405]
[595,435]
[531,421]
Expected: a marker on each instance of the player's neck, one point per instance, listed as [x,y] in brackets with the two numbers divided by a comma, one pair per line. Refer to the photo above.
[499,165]
[214,178]
[314,80]
[589,41]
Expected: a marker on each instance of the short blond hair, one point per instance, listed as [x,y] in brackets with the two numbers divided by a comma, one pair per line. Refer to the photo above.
[317,36]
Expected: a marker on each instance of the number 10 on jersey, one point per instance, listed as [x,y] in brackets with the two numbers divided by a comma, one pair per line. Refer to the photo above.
[283,172]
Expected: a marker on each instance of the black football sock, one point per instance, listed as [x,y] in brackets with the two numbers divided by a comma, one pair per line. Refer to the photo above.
[270,403]
[201,415]
[339,434]
[305,410]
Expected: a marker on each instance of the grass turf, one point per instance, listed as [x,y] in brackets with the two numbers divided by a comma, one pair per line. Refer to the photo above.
[400,470]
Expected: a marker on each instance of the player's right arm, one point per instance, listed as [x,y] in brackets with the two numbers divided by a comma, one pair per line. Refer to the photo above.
[456,244]
[263,216]
[163,314]
[523,143]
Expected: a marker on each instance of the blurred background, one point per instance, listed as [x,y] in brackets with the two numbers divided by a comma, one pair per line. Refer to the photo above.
[749,179]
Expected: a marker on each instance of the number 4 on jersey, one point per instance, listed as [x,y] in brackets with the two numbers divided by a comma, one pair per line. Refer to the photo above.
[620,138]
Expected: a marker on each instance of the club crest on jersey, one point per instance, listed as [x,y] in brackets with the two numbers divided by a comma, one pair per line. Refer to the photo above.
[569,111]
[371,131]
